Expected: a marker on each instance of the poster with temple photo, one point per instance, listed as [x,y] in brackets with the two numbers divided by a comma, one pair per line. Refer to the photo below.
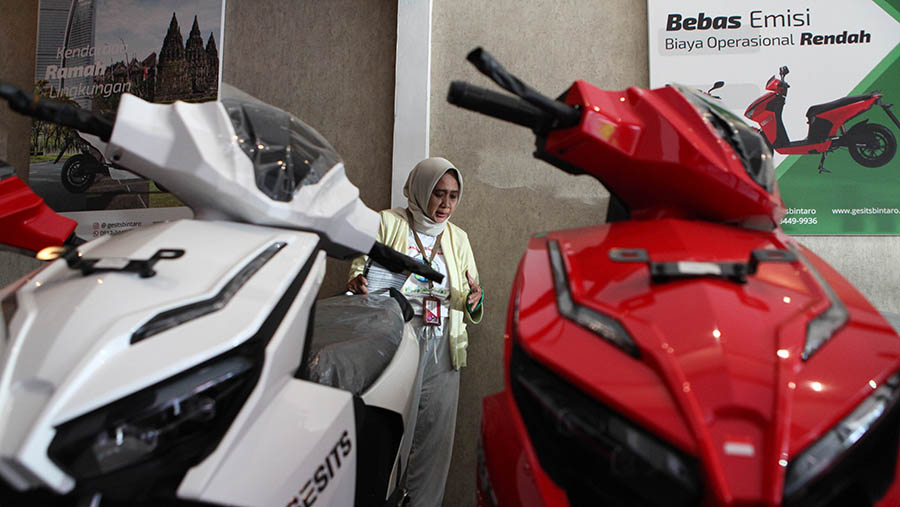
[817,79]
[90,53]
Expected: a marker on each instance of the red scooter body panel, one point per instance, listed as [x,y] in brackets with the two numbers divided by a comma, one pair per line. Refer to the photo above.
[688,353]
[629,137]
[806,149]
[26,221]
[508,469]
[776,85]
[838,117]
[515,476]
[720,374]
[766,119]
[841,115]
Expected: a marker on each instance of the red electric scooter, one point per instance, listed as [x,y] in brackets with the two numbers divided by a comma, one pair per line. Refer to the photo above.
[688,352]
[870,144]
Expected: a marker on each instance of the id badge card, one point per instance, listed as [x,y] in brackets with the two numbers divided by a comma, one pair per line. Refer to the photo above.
[431,313]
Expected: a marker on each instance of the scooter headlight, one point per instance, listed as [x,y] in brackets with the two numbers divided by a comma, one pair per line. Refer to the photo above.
[602,325]
[595,454]
[177,422]
[822,455]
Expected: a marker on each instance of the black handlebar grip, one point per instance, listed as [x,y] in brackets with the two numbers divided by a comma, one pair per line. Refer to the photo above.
[565,115]
[497,105]
[490,67]
[399,263]
[60,113]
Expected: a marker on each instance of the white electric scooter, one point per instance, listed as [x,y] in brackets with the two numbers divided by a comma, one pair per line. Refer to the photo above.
[171,364]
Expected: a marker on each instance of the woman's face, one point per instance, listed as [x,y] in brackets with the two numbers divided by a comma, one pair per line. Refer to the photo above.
[443,198]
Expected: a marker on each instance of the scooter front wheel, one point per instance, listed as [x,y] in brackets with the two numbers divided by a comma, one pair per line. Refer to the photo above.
[873,145]
[78,173]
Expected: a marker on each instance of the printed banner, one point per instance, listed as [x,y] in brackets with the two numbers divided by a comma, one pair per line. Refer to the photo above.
[817,78]
[89,53]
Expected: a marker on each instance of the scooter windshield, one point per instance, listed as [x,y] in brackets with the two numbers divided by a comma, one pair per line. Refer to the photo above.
[286,153]
[750,146]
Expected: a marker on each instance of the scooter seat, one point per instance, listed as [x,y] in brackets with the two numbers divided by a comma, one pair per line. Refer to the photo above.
[834,104]
[353,340]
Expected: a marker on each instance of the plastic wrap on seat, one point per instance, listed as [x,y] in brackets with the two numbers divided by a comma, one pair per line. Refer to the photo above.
[353,340]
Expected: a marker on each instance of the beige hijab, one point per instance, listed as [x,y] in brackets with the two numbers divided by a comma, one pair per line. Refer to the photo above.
[419,185]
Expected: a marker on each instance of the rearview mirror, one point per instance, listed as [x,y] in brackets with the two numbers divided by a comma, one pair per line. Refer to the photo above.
[716,86]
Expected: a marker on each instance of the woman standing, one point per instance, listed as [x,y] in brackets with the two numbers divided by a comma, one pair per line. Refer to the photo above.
[433,189]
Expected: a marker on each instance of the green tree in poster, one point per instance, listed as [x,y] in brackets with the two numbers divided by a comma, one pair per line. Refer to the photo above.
[46,136]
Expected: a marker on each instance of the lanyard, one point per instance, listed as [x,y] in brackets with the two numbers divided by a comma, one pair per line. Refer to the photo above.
[434,249]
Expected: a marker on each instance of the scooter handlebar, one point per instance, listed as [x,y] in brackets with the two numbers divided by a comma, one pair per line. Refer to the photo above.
[497,105]
[56,112]
[399,263]
[564,114]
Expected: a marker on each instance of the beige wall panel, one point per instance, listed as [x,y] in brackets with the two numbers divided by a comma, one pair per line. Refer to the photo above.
[868,262]
[331,63]
[509,196]
[18,45]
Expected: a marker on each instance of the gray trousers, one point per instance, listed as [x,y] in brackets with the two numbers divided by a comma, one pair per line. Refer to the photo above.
[429,459]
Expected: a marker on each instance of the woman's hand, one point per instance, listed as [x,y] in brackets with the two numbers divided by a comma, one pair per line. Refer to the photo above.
[474,291]
[358,285]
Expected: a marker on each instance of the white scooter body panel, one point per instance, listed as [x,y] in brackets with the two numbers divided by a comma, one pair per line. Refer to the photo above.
[387,392]
[216,177]
[402,370]
[73,363]
[315,462]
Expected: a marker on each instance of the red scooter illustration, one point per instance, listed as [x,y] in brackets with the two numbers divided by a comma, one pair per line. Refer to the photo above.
[870,144]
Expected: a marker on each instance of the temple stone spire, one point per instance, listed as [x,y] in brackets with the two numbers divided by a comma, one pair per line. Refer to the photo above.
[173,82]
[212,62]
[197,62]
